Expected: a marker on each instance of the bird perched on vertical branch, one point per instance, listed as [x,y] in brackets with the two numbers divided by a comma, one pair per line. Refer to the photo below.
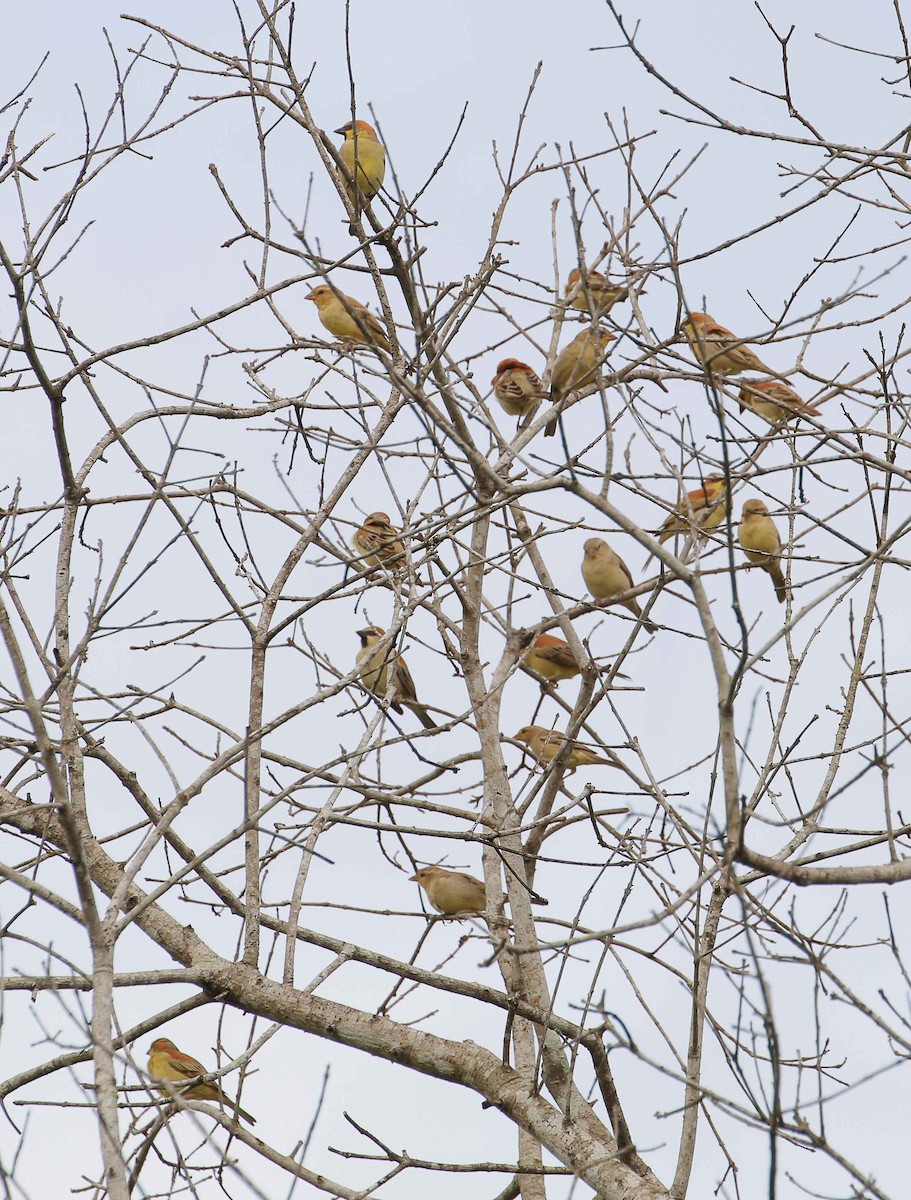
[606,575]
[761,544]
[719,350]
[377,542]
[546,744]
[171,1066]
[347,318]
[365,158]
[517,388]
[373,669]
[594,293]
[703,508]
[577,364]
[774,401]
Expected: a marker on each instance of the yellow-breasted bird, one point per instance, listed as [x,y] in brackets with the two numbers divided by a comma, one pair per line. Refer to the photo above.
[551,658]
[718,349]
[762,545]
[373,669]
[577,365]
[455,894]
[169,1065]
[347,318]
[377,542]
[606,574]
[517,388]
[702,508]
[546,744]
[774,401]
[595,294]
[365,157]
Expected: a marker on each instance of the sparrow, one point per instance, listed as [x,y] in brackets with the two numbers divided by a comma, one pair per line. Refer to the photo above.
[595,295]
[517,388]
[774,401]
[577,364]
[365,157]
[347,318]
[606,574]
[761,544]
[373,669]
[377,543]
[455,894]
[718,349]
[169,1065]
[703,508]
[551,658]
[546,744]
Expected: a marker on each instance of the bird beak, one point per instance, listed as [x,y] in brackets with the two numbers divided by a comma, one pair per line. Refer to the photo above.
[310,296]
[364,633]
[412,878]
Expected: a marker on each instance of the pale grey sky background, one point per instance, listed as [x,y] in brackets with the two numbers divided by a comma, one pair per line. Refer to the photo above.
[153,252]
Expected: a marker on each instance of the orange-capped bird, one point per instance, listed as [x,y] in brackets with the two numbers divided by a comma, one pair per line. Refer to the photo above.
[169,1065]
[377,542]
[517,388]
[718,349]
[373,669]
[577,364]
[774,401]
[762,545]
[594,294]
[703,508]
[546,744]
[606,574]
[347,318]
[551,658]
[365,157]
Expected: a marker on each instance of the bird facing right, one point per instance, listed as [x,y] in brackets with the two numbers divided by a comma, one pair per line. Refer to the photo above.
[577,365]
[594,294]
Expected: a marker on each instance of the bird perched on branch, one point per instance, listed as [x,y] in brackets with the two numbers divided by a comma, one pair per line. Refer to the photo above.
[594,294]
[454,894]
[517,388]
[377,542]
[606,574]
[704,507]
[551,658]
[347,318]
[762,545]
[577,364]
[718,349]
[546,744]
[169,1065]
[774,401]
[365,157]
[373,668]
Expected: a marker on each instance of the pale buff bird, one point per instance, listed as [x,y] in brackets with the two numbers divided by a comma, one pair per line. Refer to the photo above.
[517,388]
[595,294]
[761,544]
[606,574]
[169,1065]
[546,744]
[577,365]
[774,401]
[455,894]
[718,349]
[702,508]
[365,158]
[551,658]
[347,318]
[377,542]
[373,669]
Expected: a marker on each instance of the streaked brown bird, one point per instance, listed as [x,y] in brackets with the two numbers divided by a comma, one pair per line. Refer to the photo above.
[577,365]
[169,1065]
[718,349]
[606,574]
[517,388]
[702,508]
[377,542]
[774,401]
[373,669]
[347,318]
[365,157]
[594,294]
[762,545]
[546,744]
